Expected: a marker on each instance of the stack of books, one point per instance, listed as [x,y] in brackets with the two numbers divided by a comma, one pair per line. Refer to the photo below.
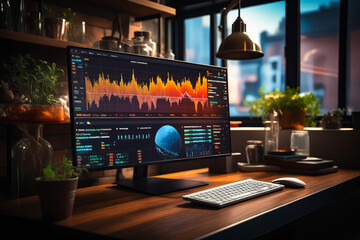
[301,164]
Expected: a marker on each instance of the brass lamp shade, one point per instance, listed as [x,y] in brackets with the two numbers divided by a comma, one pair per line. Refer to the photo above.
[238,45]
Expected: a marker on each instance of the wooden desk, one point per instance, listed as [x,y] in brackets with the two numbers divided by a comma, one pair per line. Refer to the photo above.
[113,212]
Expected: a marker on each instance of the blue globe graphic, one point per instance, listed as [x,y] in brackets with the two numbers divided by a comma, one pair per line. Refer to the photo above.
[168,142]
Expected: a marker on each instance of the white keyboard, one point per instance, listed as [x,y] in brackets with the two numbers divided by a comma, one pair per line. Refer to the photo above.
[233,193]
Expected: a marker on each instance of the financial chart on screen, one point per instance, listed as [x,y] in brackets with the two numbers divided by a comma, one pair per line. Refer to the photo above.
[129,110]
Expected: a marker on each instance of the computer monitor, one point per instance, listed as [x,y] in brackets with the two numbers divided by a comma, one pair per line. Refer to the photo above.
[132,111]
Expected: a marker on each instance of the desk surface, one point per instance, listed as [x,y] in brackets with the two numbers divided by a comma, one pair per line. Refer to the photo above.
[116,212]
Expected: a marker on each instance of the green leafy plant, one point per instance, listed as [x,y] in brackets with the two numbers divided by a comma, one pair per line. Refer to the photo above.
[32,81]
[291,100]
[65,13]
[66,170]
[335,116]
[68,14]
[49,12]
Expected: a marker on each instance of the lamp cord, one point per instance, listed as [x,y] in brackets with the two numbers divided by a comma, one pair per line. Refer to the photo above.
[239,7]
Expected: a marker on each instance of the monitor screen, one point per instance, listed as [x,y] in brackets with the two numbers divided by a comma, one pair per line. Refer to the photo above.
[130,110]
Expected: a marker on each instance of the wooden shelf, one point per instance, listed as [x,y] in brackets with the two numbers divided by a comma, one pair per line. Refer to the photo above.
[136,8]
[35,39]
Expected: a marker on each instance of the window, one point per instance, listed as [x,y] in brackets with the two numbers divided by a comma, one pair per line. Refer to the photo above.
[324,70]
[353,83]
[265,24]
[197,39]
[319,49]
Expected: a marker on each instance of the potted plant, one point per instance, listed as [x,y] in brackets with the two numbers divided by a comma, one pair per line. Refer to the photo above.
[27,91]
[291,105]
[57,189]
[332,120]
[58,24]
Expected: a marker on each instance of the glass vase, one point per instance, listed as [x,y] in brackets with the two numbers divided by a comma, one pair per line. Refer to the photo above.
[30,155]
[271,133]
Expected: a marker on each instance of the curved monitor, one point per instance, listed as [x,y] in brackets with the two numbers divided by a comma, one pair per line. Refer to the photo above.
[130,110]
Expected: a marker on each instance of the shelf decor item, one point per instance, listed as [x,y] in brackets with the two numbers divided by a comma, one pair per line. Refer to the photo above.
[59,25]
[271,133]
[29,156]
[295,109]
[57,188]
[332,120]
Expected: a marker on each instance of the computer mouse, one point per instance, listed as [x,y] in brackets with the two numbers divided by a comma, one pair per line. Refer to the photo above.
[290,182]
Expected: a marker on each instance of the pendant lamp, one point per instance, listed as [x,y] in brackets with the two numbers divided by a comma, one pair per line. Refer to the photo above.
[238,45]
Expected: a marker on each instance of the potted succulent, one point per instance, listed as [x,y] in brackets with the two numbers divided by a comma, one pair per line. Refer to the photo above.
[332,120]
[291,106]
[57,189]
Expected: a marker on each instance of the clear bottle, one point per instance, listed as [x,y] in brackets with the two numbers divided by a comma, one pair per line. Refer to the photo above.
[169,54]
[271,133]
[29,156]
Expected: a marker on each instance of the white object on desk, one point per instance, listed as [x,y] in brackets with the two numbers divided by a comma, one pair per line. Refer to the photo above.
[290,182]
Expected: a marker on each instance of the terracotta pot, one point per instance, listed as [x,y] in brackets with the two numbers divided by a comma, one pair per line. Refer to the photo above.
[292,119]
[57,197]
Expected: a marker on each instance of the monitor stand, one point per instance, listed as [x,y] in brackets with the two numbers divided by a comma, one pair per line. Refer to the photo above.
[156,186]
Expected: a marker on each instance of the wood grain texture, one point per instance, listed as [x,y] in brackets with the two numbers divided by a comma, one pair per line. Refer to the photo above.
[137,8]
[116,212]
[34,39]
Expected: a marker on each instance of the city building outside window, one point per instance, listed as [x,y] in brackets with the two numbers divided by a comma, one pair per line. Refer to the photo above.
[353,83]
[265,24]
[197,39]
[319,49]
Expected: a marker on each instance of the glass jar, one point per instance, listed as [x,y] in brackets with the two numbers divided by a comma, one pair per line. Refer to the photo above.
[140,46]
[150,44]
[300,142]
[254,152]
[29,156]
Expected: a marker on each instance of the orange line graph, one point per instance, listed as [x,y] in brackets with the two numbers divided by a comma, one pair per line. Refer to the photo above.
[147,93]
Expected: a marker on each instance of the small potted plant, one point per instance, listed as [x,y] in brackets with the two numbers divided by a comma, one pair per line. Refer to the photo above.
[28,90]
[57,189]
[332,120]
[58,24]
[291,105]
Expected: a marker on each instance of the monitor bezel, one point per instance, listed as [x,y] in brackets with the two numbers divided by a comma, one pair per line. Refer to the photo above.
[72,125]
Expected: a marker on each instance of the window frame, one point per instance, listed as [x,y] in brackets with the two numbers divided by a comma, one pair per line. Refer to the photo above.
[195,8]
